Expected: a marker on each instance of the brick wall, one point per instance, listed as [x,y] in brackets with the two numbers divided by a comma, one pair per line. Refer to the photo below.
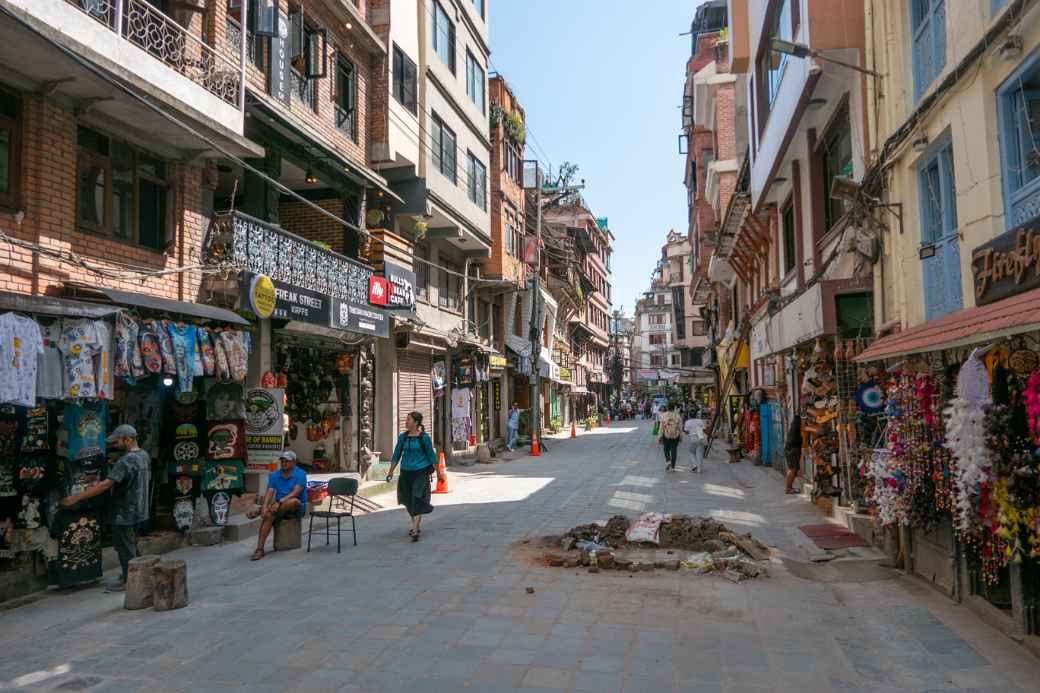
[320,125]
[503,187]
[48,185]
[379,88]
[306,221]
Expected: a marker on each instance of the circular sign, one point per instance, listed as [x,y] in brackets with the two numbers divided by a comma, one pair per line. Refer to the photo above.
[261,296]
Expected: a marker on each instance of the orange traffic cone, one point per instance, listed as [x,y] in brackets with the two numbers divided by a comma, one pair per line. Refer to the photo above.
[442,475]
[536,451]
[574,430]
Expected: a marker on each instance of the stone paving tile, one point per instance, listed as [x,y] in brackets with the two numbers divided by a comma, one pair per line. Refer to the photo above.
[452,613]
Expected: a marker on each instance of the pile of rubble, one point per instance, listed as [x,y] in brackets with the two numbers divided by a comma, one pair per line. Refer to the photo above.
[671,542]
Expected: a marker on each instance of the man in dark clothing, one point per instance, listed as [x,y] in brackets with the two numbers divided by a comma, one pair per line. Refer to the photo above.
[129,479]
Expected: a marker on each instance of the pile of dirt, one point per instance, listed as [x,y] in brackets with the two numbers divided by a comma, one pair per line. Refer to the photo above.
[696,545]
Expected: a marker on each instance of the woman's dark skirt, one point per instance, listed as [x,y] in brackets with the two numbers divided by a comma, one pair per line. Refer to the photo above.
[413,491]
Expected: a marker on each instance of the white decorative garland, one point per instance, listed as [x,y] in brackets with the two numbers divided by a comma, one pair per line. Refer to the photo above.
[886,495]
[966,440]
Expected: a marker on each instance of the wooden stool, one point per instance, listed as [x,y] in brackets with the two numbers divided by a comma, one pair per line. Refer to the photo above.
[288,534]
[171,585]
[140,582]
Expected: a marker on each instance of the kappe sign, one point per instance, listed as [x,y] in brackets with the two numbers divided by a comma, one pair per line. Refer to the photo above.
[1007,265]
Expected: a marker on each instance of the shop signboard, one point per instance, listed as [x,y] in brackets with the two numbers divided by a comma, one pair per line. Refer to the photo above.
[280,67]
[402,286]
[648,374]
[358,317]
[265,427]
[497,361]
[377,291]
[1007,265]
[290,303]
[565,374]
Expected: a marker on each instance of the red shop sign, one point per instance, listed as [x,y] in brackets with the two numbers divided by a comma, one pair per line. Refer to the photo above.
[378,291]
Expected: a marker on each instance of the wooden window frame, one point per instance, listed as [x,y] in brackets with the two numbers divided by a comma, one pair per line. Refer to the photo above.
[346,113]
[841,119]
[12,199]
[790,261]
[107,227]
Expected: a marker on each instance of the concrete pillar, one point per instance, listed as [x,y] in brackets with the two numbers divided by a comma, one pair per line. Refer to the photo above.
[261,360]
[386,404]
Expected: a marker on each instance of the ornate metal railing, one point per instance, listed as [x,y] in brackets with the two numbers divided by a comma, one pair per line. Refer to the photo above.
[148,28]
[238,241]
[233,41]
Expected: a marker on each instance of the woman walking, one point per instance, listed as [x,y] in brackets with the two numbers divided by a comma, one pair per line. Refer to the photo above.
[793,453]
[414,452]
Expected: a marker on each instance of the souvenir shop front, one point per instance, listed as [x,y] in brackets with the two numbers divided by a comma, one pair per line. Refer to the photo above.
[71,372]
[471,404]
[954,460]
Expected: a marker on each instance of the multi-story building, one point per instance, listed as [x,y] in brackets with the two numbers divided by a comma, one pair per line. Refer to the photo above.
[431,141]
[689,332]
[953,197]
[653,349]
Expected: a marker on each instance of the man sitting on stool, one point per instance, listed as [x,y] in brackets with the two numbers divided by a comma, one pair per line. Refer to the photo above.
[286,497]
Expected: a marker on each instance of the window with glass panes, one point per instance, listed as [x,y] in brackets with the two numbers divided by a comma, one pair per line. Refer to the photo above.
[790,244]
[474,81]
[1019,103]
[404,80]
[346,96]
[121,191]
[477,184]
[443,36]
[837,161]
[443,148]
[450,286]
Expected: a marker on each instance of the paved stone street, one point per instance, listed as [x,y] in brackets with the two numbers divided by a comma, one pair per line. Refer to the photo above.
[452,613]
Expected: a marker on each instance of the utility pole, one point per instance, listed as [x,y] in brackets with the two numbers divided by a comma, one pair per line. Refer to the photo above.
[536,309]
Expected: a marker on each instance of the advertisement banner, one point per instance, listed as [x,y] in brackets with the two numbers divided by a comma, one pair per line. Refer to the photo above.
[355,317]
[402,286]
[265,427]
[290,303]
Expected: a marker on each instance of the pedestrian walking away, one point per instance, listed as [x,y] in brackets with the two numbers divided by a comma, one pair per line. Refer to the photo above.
[670,433]
[513,426]
[286,496]
[414,452]
[793,453]
[129,479]
[694,428]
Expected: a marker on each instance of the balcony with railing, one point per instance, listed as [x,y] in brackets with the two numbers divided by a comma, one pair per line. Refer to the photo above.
[143,25]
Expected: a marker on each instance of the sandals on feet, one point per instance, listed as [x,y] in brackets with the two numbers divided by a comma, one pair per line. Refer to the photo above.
[257,555]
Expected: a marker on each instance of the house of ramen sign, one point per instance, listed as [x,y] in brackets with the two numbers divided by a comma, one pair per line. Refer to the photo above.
[1007,265]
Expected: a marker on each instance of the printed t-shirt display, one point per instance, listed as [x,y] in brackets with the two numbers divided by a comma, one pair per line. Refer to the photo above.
[79,344]
[21,345]
[50,370]
[104,366]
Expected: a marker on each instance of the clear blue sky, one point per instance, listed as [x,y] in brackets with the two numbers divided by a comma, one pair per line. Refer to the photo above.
[601,82]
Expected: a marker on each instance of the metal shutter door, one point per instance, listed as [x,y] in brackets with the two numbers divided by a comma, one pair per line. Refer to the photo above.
[414,388]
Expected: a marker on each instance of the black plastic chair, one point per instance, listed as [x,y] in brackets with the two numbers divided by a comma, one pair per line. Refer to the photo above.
[340,489]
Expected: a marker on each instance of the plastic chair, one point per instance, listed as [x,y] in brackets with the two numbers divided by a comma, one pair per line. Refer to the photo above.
[340,489]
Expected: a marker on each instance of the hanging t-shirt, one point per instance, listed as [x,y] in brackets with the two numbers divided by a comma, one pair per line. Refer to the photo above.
[148,339]
[225,401]
[85,424]
[8,476]
[83,474]
[36,434]
[169,360]
[183,337]
[21,345]
[79,344]
[29,515]
[226,440]
[185,438]
[144,413]
[12,427]
[205,348]
[32,470]
[106,374]
[78,533]
[460,402]
[50,366]
[238,358]
[222,368]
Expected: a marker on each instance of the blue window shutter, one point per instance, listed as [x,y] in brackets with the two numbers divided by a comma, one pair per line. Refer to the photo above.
[938,39]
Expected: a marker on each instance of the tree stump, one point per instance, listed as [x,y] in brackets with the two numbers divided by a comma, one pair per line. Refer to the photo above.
[288,534]
[171,585]
[140,582]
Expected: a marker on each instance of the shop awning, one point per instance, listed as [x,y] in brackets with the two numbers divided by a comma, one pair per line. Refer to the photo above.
[48,305]
[165,305]
[978,325]
[579,391]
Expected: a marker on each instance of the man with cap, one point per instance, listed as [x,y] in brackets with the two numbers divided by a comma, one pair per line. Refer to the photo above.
[129,479]
[286,497]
